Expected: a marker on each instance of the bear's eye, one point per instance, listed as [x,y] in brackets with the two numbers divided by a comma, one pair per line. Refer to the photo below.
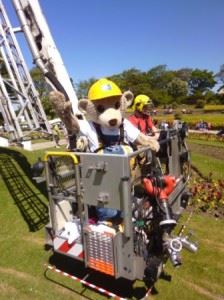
[117,105]
[100,108]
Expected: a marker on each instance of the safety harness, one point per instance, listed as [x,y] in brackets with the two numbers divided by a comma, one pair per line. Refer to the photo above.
[108,140]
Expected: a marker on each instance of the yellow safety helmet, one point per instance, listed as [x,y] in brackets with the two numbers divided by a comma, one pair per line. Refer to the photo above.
[142,101]
[103,88]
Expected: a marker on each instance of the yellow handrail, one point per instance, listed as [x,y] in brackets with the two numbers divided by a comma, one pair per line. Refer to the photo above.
[61,153]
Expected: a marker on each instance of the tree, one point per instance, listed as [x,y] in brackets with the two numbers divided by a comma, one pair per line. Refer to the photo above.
[43,89]
[210,97]
[221,98]
[220,74]
[159,77]
[6,76]
[3,69]
[220,77]
[160,97]
[201,81]
[162,85]
[83,87]
[177,88]
[184,74]
[134,80]
[40,82]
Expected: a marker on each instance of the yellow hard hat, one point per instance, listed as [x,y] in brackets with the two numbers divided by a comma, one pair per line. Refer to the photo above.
[141,101]
[103,88]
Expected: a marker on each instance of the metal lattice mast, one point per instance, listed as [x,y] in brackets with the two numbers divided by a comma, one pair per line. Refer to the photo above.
[43,48]
[19,99]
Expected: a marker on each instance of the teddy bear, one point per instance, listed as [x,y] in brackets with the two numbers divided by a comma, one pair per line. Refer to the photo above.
[102,124]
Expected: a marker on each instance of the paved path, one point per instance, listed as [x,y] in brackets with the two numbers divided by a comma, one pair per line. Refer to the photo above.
[46,145]
[204,131]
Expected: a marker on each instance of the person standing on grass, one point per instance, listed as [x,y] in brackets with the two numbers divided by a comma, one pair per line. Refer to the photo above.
[56,135]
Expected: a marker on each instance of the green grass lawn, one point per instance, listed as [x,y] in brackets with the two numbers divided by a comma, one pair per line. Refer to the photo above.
[207,164]
[23,215]
[201,275]
[216,119]
[208,156]
[219,144]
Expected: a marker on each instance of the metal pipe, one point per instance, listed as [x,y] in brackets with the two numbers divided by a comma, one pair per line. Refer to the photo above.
[126,206]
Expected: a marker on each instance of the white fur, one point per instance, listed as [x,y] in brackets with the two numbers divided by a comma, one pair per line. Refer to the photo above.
[146,140]
[108,115]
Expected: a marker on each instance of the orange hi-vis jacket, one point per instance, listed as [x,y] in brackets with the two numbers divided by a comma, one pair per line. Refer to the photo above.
[142,122]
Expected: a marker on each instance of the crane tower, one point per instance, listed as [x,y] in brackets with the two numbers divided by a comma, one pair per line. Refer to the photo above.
[19,99]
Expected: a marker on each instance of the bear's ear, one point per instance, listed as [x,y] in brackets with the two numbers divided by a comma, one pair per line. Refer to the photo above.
[127,99]
[83,105]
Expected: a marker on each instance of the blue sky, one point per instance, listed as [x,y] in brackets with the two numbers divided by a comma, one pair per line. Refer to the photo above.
[98,38]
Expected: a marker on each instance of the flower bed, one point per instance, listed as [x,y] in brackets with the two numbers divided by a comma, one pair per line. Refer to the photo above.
[205,136]
[208,195]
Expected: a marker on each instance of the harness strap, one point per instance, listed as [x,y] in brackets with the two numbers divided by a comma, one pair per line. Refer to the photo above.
[104,141]
[121,139]
[99,133]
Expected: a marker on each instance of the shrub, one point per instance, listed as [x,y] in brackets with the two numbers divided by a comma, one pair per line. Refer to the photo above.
[206,136]
[200,103]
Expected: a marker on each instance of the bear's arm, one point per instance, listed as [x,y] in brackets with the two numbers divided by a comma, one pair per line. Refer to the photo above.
[64,111]
[145,140]
[134,135]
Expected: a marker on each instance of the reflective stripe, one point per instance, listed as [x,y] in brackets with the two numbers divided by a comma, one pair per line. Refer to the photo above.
[75,249]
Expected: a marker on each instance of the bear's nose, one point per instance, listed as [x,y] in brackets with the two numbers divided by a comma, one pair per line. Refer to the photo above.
[113,122]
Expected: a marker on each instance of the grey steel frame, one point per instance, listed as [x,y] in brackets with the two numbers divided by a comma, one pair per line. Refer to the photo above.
[106,180]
